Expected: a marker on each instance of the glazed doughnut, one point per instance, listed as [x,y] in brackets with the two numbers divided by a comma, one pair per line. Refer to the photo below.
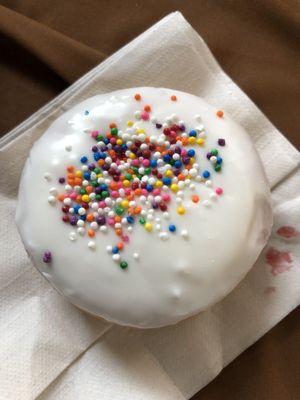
[144,206]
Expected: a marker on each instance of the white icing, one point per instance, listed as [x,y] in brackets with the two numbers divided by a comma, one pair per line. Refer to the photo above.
[170,276]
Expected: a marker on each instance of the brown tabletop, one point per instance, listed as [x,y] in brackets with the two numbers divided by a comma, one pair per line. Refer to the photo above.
[47,44]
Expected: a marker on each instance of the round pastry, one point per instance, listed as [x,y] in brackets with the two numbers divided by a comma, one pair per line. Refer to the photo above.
[144,206]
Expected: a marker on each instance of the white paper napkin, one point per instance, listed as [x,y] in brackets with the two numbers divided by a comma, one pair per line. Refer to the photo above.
[51,350]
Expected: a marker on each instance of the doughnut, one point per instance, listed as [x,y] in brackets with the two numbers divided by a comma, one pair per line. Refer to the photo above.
[144,206]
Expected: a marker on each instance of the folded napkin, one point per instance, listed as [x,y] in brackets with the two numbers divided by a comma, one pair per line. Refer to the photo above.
[51,350]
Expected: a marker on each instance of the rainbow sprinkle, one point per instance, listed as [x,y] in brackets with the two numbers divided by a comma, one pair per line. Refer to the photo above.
[129,179]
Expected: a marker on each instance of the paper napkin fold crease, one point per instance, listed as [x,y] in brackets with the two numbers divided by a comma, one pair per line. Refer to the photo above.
[49,349]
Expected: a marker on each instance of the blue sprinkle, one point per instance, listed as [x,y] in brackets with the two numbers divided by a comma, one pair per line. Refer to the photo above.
[206,174]
[96,156]
[167,181]
[83,217]
[177,164]
[219,160]
[83,159]
[106,141]
[103,186]
[87,175]
[130,219]
[86,112]
[76,208]
[172,228]
[124,147]
[115,250]
[149,187]
[167,158]
[193,133]
[153,163]
[191,153]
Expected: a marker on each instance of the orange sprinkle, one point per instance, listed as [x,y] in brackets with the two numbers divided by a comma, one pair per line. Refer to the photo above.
[147,108]
[91,233]
[89,189]
[78,198]
[195,198]
[137,210]
[61,197]
[173,97]
[118,232]
[137,97]
[70,168]
[220,114]
[71,182]
[90,217]
[112,125]
[181,177]
[118,218]
[138,192]
[101,162]
[120,245]
[130,211]
[71,176]
[78,181]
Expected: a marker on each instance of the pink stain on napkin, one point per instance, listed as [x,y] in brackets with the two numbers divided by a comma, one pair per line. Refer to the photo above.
[287,232]
[280,261]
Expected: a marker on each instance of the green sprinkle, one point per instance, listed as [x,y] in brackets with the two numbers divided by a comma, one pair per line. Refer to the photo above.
[82,191]
[119,210]
[123,264]
[214,152]
[114,131]
[99,138]
[142,221]
[128,177]
[104,194]
[97,170]
[218,168]
[98,197]
[147,171]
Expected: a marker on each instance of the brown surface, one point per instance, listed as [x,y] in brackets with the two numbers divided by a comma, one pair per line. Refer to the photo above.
[47,44]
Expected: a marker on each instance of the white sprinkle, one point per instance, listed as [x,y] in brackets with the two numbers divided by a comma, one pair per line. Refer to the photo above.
[118,225]
[68,188]
[166,215]
[67,201]
[137,115]
[213,196]
[85,183]
[81,211]
[116,257]
[68,147]
[208,183]
[94,225]
[91,244]
[72,236]
[109,249]
[158,227]
[47,176]
[53,191]
[213,159]
[192,186]
[184,233]
[206,203]
[163,236]
[136,256]
[198,118]
[129,229]
[103,228]
[71,210]
[81,230]
[51,200]
[84,168]
[80,222]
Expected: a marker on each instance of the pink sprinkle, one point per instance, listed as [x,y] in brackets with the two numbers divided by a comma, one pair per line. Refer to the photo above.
[183,152]
[166,197]
[102,204]
[73,195]
[145,115]
[115,194]
[135,162]
[144,192]
[111,221]
[146,162]
[127,191]
[156,192]
[125,238]
[94,134]
[120,184]
[219,191]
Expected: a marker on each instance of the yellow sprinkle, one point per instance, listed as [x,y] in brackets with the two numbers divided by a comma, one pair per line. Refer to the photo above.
[85,198]
[119,142]
[129,123]
[148,226]
[180,210]
[174,187]
[188,176]
[169,173]
[126,183]
[78,174]
[200,141]
[99,175]
[132,156]
[192,140]
[192,160]
[158,184]
[139,131]
[125,203]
